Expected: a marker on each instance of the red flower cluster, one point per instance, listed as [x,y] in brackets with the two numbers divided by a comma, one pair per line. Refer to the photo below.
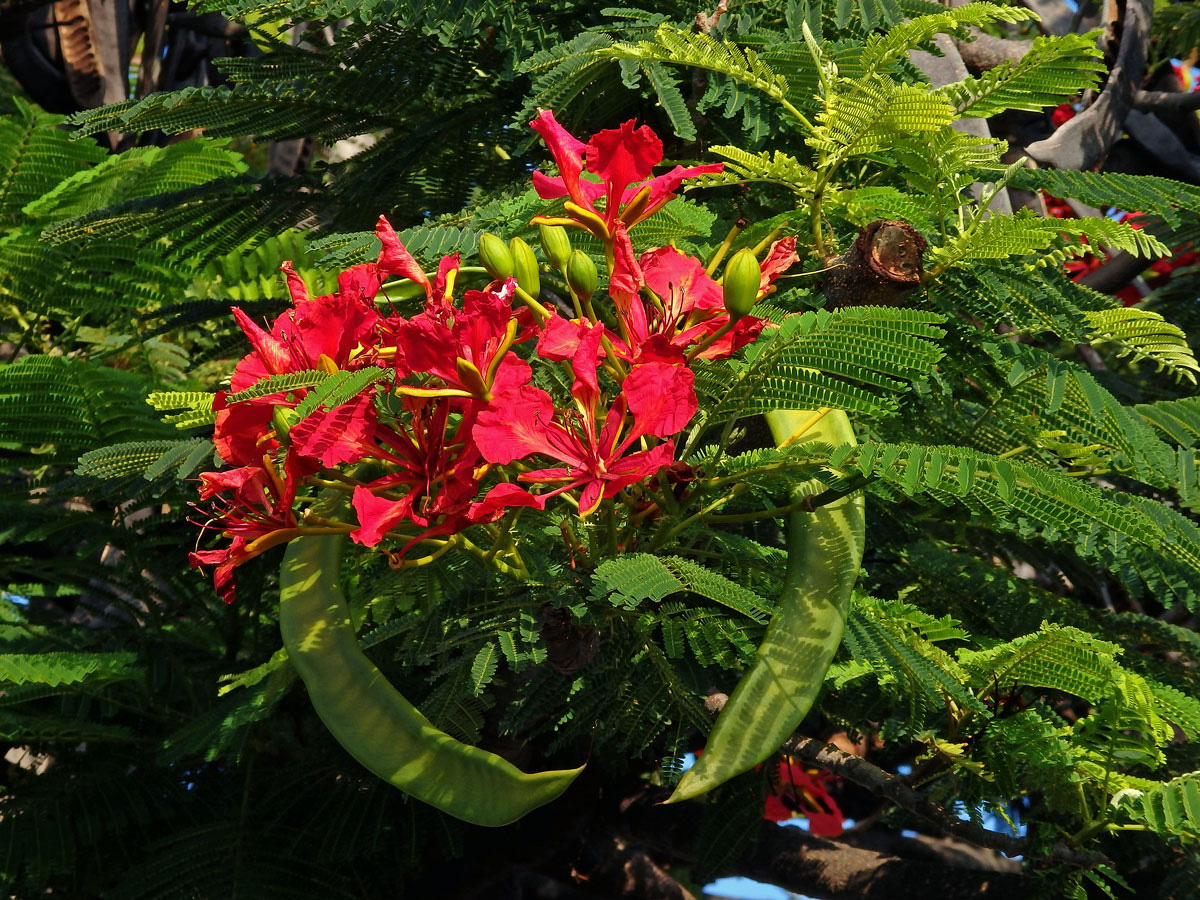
[450,431]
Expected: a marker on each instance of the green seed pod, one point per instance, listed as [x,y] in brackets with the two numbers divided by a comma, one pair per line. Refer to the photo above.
[525,267]
[495,257]
[374,721]
[741,283]
[283,418]
[556,244]
[582,275]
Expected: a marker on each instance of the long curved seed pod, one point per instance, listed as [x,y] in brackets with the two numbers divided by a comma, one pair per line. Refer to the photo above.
[371,719]
[825,549]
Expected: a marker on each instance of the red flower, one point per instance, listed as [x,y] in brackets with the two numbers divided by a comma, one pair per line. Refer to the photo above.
[434,468]
[467,349]
[254,507]
[1062,114]
[690,307]
[623,158]
[804,792]
[519,423]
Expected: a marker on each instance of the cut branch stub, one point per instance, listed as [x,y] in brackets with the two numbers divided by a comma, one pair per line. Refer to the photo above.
[882,266]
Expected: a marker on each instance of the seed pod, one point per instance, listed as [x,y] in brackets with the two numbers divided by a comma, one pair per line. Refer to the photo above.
[525,267]
[582,276]
[741,283]
[374,721]
[495,256]
[556,244]
[283,418]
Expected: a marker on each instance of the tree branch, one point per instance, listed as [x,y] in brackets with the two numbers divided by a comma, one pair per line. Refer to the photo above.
[1166,101]
[987,51]
[827,870]
[883,784]
[1116,273]
[1087,138]
[1163,144]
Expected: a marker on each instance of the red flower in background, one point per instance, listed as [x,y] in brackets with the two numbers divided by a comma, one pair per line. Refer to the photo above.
[797,791]
[1158,273]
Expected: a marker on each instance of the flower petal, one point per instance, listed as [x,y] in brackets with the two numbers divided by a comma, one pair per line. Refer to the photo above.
[681,282]
[568,156]
[662,398]
[394,259]
[516,425]
[339,435]
[376,516]
[622,156]
[501,497]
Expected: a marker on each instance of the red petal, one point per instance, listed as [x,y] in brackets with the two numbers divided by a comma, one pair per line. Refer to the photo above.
[339,435]
[515,425]
[622,156]
[774,809]
[394,259]
[663,187]
[333,326]
[238,429]
[446,265]
[627,276]
[376,516]
[501,497]
[781,257]
[295,284]
[360,282]
[274,354]
[661,396]
[552,188]
[681,282]
[568,156]
[235,480]
[559,338]
[825,824]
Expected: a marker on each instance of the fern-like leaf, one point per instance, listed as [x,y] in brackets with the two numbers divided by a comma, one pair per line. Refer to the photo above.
[1053,70]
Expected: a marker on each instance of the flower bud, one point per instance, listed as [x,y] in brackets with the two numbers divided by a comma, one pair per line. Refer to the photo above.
[495,257]
[582,276]
[282,419]
[556,244]
[525,267]
[741,283]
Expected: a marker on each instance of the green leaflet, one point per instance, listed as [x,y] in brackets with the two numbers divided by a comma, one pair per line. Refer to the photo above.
[371,719]
[57,668]
[824,552]
[1170,808]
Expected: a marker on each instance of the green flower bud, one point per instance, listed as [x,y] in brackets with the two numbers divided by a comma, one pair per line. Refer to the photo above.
[525,267]
[582,275]
[556,244]
[740,284]
[495,257]
[282,419]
